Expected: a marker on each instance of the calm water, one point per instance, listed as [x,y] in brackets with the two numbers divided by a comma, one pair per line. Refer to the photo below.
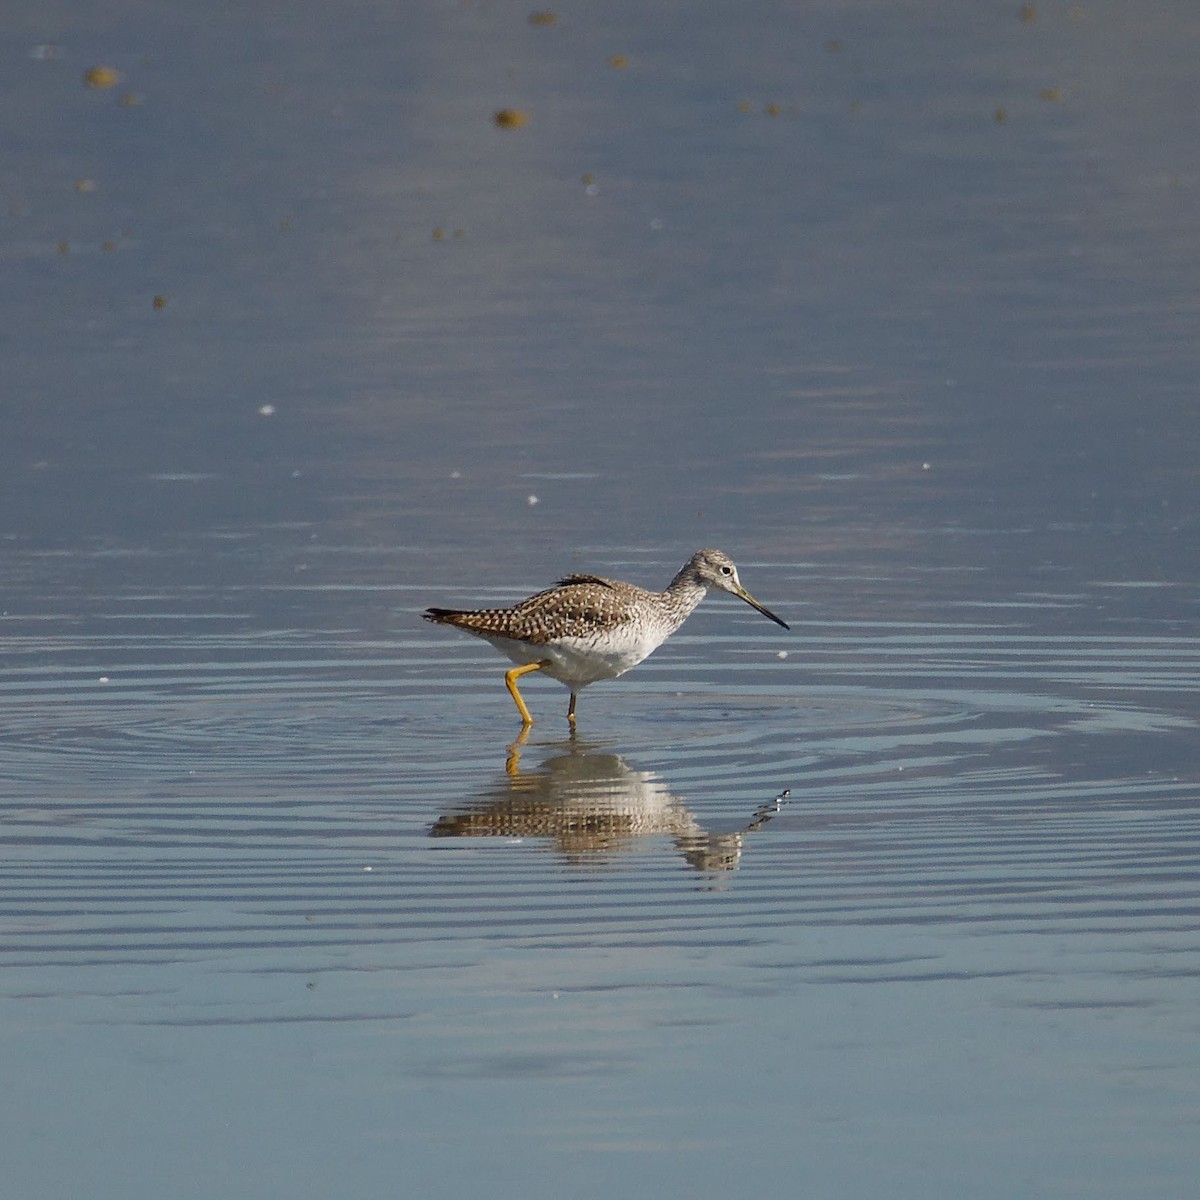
[896,304]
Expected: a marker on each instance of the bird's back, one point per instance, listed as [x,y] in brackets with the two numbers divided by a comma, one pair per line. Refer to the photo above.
[578,606]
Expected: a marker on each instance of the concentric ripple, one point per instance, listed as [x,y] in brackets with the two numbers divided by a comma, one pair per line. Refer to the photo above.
[188,793]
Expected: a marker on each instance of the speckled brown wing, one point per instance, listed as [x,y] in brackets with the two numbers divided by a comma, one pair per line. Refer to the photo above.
[577,606]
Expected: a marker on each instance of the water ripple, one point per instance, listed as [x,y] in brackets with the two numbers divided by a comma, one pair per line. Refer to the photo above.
[266,800]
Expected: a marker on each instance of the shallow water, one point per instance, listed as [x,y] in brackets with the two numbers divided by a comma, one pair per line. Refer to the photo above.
[904,900]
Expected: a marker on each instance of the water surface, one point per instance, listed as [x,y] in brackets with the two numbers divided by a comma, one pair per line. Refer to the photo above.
[893,303]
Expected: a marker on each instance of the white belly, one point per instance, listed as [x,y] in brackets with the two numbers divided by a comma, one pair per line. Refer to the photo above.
[577,662]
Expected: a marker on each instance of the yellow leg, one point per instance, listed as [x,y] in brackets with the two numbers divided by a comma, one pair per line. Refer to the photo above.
[510,682]
[571,711]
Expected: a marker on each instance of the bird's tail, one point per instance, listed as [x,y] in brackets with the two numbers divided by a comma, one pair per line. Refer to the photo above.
[444,616]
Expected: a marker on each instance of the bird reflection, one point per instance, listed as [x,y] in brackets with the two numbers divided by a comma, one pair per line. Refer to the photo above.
[594,807]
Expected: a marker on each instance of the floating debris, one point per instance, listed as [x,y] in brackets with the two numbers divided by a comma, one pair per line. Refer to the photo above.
[618,62]
[543,18]
[83,186]
[1000,116]
[1028,14]
[510,118]
[101,77]
[160,302]
[1050,95]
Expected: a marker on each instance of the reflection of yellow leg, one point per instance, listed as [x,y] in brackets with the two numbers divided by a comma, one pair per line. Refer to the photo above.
[571,711]
[510,682]
[512,764]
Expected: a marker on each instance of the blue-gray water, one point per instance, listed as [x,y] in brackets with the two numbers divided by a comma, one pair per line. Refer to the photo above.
[895,303]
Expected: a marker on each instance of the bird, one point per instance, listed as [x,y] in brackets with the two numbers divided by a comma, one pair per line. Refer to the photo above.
[587,628]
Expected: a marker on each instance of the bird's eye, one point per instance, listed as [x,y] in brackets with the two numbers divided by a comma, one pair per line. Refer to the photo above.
[726,570]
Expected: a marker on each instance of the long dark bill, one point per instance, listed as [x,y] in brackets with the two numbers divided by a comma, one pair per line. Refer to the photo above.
[766,612]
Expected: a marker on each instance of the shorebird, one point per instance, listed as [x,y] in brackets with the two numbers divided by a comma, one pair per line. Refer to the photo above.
[587,628]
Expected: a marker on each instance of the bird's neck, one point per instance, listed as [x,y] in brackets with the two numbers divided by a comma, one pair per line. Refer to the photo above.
[683,593]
